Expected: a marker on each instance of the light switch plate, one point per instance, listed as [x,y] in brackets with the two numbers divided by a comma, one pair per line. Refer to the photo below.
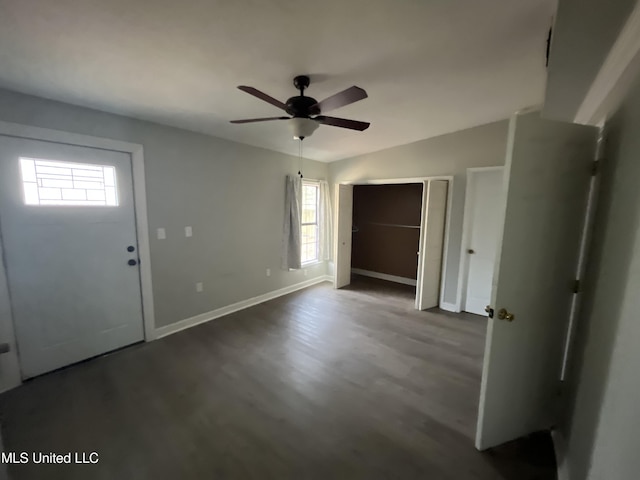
[188,232]
[268,272]
[199,287]
[162,234]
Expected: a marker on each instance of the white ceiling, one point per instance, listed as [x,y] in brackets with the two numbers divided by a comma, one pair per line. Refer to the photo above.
[430,67]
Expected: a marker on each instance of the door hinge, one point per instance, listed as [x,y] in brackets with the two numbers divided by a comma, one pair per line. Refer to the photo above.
[576,286]
[595,168]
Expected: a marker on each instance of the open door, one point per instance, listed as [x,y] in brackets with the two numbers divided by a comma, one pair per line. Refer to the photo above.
[434,211]
[547,175]
[344,212]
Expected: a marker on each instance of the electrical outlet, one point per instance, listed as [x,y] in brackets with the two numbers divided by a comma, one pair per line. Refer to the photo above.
[268,272]
[188,232]
[199,287]
[162,234]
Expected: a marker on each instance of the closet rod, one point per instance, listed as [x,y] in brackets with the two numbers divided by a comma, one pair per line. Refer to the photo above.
[393,225]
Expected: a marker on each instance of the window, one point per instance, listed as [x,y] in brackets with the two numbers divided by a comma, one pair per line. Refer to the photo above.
[310,207]
[49,182]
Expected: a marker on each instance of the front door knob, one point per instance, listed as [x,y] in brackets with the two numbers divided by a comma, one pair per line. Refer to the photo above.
[503,314]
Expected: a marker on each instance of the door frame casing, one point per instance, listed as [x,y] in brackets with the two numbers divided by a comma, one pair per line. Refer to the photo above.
[423,181]
[136,152]
[463,273]
[338,278]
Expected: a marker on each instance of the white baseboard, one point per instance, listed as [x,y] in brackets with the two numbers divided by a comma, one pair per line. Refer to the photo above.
[449,307]
[384,276]
[560,448]
[234,307]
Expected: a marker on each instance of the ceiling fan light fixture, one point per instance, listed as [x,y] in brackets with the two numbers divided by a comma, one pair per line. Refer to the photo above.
[302,127]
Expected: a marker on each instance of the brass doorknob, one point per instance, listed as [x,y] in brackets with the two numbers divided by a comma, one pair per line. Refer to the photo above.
[503,314]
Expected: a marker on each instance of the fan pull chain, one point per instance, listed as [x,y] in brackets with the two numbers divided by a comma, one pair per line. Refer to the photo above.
[300,159]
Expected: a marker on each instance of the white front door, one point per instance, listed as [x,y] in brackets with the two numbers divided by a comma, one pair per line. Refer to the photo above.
[344,211]
[484,199]
[434,210]
[547,176]
[69,239]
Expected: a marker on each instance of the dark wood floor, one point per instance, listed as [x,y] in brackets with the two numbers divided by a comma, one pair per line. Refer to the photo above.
[320,384]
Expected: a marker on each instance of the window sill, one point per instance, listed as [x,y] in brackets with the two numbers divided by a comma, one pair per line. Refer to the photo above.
[312,263]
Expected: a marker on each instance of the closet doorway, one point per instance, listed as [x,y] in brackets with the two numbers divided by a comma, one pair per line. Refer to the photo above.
[394,230]
[386,231]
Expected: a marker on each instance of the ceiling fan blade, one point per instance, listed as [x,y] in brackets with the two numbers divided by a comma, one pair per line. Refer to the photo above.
[346,97]
[263,96]
[266,119]
[342,122]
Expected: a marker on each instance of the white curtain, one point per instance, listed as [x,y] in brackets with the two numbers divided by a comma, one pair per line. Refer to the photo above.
[291,243]
[326,222]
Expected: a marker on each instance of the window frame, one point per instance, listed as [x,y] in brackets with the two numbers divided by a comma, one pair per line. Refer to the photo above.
[315,184]
[62,178]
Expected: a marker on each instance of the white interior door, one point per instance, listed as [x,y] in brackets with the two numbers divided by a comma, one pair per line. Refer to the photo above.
[434,211]
[344,210]
[484,203]
[547,174]
[68,232]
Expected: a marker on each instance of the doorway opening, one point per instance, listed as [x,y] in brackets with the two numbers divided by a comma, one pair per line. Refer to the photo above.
[397,231]
[386,234]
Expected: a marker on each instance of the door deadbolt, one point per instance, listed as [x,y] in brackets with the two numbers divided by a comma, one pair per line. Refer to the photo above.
[471,251]
[489,311]
[132,262]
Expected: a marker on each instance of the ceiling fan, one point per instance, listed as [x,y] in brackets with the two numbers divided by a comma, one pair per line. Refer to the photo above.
[306,112]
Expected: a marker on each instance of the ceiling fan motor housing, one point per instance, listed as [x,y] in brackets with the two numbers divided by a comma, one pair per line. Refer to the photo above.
[302,107]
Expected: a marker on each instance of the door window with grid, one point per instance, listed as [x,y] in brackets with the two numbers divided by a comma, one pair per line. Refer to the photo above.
[310,235]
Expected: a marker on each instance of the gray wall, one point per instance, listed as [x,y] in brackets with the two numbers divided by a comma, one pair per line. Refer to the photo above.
[449,154]
[603,420]
[583,34]
[231,194]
